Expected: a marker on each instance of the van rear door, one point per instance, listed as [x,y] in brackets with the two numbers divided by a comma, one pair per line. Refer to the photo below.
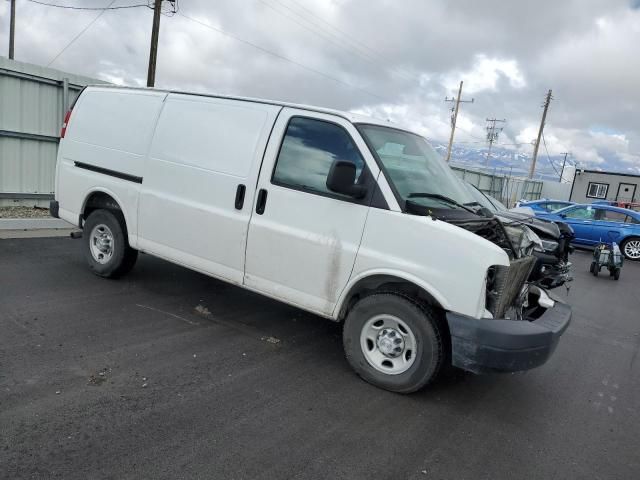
[303,238]
[199,181]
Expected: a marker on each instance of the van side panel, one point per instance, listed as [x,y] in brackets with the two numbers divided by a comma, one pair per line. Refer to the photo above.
[104,148]
[202,150]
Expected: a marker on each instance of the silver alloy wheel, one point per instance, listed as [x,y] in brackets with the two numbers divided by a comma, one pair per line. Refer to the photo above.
[632,249]
[101,243]
[388,344]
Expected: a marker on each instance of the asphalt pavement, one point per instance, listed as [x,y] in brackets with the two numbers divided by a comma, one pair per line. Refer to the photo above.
[169,374]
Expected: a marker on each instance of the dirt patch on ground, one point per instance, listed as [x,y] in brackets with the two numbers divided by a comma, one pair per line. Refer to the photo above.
[23,212]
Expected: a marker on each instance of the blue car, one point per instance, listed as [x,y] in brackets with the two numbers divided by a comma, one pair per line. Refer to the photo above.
[597,223]
[545,205]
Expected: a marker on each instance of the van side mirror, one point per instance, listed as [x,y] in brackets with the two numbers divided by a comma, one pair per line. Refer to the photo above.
[342,179]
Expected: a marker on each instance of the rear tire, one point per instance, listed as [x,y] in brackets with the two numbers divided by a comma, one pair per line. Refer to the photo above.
[106,246]
[616,274]
[630,248]
[394,343]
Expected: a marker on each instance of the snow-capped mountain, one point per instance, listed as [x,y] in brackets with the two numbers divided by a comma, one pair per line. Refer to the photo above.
[508,161]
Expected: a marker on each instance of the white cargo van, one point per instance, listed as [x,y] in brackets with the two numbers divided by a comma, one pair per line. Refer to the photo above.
[347,217]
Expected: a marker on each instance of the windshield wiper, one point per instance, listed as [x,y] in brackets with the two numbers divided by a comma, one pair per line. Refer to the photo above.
[443,198]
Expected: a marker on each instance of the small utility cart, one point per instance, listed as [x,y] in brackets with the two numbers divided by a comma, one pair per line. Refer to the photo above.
[607,255]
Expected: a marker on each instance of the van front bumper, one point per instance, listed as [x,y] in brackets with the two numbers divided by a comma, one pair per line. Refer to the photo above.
[497,345]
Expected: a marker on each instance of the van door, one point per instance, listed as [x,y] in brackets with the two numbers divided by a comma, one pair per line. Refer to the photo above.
[199,181]
[303,238]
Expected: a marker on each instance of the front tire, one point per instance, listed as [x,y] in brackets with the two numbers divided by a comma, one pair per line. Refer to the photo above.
[394,343]
[106,246]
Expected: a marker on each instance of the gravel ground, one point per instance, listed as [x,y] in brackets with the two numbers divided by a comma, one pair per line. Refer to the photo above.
[23,212]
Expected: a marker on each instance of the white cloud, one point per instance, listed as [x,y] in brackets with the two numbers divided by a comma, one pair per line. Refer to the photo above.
[485,74]
[409,56]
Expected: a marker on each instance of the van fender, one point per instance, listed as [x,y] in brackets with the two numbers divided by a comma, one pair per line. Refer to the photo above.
[400,275]
[132,228]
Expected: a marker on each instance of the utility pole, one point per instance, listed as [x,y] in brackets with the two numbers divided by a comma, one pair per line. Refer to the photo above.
[546,103]
[454,117]
[153,52]
[492,134]
[563,164]
[12,28]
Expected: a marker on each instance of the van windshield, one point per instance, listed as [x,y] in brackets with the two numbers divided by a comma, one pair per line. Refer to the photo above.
[415,170]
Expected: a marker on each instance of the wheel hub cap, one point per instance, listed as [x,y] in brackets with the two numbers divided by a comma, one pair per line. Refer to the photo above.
[632,249]
[101,243]
[390,342]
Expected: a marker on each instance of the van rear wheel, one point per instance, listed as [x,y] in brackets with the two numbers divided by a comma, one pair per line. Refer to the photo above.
[106,247]
[393,342]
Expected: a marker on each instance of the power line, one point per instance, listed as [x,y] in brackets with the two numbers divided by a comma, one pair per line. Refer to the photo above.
[342,32]
[81,31]
[467,132]
[354,40]
[326,35]
[544,142]
[69,7]
[357,44]
[564,162]
[281,57]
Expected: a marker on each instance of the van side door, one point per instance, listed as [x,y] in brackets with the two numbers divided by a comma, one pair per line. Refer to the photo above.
[303,238]
[199,181]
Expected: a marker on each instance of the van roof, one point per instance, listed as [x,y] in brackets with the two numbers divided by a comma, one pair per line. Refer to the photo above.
[352,117]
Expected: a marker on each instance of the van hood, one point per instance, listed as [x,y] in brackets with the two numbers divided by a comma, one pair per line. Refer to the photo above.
[513,236]
[544,228]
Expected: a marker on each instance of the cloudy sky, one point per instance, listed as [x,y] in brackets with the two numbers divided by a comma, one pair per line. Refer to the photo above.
[393,59]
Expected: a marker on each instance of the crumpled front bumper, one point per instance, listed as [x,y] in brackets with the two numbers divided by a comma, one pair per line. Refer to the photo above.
[500,345]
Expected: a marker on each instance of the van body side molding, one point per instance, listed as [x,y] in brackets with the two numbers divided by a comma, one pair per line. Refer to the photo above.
[106,171]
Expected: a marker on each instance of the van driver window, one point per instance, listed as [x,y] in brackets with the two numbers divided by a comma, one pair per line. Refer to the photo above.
[307,152]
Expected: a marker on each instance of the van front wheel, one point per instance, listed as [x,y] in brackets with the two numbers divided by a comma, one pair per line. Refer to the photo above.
[106,246]
[393,342]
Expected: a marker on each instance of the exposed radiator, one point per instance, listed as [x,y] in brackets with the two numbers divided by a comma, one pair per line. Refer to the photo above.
[506,284]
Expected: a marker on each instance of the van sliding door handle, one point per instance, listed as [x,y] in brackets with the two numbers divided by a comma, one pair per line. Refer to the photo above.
[262,201]
[240,196]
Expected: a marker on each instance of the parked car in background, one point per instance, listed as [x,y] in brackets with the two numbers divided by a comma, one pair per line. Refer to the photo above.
[544,204]
[597,223]
[553,268]
[622,204]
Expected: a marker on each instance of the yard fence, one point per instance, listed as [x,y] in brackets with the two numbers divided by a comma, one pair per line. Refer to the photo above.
[505,188]
[33,101]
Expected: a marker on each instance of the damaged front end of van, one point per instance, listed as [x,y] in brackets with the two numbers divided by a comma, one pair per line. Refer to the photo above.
[517,324]
[523,322]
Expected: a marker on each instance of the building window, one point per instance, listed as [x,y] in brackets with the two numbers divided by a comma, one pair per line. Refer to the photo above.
[597,190]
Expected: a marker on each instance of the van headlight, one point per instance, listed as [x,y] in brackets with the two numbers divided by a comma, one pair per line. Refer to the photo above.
[523,239]
[548,246]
